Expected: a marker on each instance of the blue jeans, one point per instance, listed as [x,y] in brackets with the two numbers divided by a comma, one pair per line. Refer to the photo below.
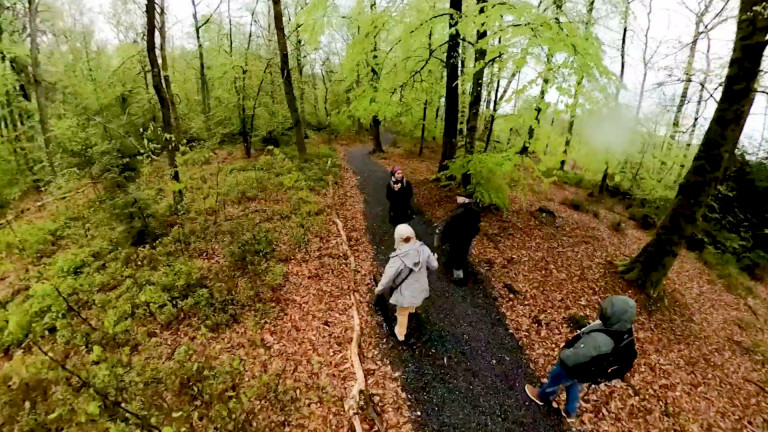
[557,378]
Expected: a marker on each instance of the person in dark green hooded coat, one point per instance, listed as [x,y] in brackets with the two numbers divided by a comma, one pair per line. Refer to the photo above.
[603,351]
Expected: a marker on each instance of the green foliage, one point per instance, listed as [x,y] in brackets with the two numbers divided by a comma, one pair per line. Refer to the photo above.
[494,176]
[117,274]
[727,268]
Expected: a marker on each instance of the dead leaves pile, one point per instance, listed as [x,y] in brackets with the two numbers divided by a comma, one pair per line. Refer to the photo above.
[309,341]
[695,372]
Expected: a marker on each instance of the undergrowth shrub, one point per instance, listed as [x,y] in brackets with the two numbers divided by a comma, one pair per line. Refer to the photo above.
[119,277]
[727,268]
[494,176]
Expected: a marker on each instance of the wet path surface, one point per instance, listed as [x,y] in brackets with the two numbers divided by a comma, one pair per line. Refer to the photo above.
[464,370]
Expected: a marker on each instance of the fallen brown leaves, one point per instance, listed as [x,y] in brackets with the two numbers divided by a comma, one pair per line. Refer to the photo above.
[306,346]
[696,371]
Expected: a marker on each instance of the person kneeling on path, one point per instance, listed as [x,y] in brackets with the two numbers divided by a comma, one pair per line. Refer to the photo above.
[406,276]
[458,233]
[399,195]
[601,352]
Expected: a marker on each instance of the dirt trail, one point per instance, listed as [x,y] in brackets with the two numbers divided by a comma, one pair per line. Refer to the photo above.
[464,371]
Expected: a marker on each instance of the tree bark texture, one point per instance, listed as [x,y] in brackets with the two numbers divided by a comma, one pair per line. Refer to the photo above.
[169,142]
[651,265]
[164,66]
[204,90]
[625,26]
[476,91]
[576,93]
[37,85]
[285,71]
[452,83]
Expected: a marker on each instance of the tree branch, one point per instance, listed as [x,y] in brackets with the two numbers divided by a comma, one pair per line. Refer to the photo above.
[210,16]
[144,423]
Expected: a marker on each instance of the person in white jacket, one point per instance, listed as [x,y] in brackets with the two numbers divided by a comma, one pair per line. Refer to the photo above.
[406,275]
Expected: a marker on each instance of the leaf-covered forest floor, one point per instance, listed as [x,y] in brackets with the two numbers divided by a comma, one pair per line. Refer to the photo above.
[702,363]
[236,315]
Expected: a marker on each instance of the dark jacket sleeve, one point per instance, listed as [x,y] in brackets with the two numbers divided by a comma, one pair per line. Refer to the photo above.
[448,232]
[408,191]
[390,191]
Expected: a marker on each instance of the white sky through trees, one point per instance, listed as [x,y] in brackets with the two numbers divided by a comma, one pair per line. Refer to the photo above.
[672,27]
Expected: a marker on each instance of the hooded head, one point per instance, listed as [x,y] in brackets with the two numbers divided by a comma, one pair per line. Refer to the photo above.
[404,235]
[617,312]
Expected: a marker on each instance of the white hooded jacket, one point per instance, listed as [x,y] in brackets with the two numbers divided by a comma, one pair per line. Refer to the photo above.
[414,256]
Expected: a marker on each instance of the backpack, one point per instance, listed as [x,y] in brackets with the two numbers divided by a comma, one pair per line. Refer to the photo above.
[604,367]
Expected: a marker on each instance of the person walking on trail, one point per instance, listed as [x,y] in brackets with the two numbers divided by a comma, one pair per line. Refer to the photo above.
[601,352]
[458,233]
[405,276]
[399,195]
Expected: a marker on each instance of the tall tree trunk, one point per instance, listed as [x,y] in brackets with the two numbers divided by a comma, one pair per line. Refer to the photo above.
[423,126]
[625,26]
[452,83]
[164,65]
[169,142]
[646,60]
[37,84]
[576,93]
[687,77]
[699,108]
[651,265]
[285,71]
[539,106]
[323,72]
[492,116]
[375,121]
[245,131]
[204,91]
[476,91]
[548,70]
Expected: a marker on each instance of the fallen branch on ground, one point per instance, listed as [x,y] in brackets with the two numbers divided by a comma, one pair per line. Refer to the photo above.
[359,392]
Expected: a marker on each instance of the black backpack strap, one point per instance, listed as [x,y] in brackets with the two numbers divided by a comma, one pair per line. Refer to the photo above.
[395,287]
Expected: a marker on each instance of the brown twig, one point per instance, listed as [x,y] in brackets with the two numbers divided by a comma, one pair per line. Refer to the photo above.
[760,386]
[353,403]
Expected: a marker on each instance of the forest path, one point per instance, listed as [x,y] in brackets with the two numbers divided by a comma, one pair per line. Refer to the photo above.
[464,370]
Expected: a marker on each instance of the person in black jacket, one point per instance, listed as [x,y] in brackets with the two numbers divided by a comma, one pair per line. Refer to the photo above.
[399,194]
[458,234]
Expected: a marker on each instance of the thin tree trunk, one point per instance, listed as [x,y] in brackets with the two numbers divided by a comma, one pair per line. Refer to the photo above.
[285,71]
[375,121]
[645,60]
[245,132]
[423,126]
[762,133]
[492,117]
[544,88]
[476,91]
[325,97]
[37,84]
[204,91]
[699,107]
[576,93]
[651,265]
[625,26]
[169,142]
[539,107]
[452,83]
[687,76]
[164,65]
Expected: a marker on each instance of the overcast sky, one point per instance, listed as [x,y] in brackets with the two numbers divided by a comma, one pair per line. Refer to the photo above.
[671,29]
